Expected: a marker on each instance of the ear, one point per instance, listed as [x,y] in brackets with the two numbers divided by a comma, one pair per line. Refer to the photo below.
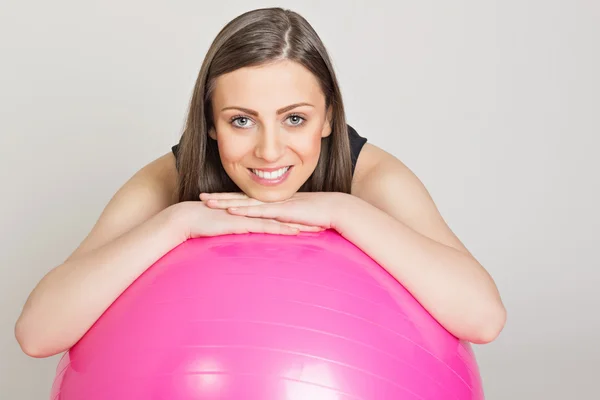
[212,133]
[327,126]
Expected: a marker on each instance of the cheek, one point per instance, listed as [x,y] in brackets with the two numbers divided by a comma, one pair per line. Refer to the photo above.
[308,146]
[233,149]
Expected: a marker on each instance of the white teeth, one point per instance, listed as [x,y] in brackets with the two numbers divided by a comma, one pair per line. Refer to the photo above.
[270,175]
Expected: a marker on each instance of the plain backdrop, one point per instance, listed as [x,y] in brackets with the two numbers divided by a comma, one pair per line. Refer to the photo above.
[495,105]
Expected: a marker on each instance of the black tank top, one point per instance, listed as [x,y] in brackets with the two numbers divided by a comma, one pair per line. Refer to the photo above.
[356,144]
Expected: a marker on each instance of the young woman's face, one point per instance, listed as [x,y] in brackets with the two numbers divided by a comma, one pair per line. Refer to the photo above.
[269,121]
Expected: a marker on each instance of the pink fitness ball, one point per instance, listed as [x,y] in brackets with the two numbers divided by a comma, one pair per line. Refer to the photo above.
[267,317]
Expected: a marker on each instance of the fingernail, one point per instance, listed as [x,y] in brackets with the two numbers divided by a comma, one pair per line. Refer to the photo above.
[233,209]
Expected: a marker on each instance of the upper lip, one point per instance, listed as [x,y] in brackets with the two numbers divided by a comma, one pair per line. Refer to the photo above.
[271,169]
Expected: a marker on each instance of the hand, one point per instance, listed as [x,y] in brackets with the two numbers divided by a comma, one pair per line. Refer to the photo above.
[320,209]
[198,220]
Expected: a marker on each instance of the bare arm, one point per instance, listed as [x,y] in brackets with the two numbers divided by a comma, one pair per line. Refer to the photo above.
[141,223]
[135,229]
[408,236]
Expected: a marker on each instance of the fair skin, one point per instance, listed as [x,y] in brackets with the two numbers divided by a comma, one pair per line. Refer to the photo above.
[279,120]
[399,225]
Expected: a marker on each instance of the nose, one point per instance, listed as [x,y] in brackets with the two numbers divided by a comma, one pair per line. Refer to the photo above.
[270,146]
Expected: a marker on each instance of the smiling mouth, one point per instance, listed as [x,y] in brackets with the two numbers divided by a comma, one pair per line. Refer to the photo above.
[271,175]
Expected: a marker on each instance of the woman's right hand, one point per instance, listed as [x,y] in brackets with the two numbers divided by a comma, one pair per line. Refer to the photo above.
[198,220]
[140,224]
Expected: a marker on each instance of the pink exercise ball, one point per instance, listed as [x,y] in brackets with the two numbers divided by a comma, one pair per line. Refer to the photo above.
[267,317]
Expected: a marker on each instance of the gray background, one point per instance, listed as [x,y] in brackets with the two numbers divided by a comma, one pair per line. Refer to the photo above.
[494,105]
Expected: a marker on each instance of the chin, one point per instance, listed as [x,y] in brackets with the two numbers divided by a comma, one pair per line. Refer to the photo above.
[269,195]
[270,192]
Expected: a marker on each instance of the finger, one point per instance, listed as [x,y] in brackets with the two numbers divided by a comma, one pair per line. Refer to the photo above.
[306,228]
[224,204]
[300,227]
[282,212]
[268,211]
[218,196]
[257,225]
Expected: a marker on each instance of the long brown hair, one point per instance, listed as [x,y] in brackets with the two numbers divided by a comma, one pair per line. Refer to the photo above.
[254,38]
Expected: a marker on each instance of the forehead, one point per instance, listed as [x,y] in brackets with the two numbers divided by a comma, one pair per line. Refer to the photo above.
[268,87]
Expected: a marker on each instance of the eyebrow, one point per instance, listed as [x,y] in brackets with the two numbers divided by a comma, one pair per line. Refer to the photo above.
[280,111]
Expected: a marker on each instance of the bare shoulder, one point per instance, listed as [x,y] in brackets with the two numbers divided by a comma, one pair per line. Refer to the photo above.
[150,190]
[385,182]
[375,166]
[368,158]
[373,160]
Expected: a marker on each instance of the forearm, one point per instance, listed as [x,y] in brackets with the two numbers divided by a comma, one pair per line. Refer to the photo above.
[450,284]
[71,297]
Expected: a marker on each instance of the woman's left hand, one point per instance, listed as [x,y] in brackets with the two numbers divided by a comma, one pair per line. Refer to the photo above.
[319,209]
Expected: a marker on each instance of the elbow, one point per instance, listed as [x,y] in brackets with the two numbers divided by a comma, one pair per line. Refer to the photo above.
[27,341]
[488,327]
[32,342]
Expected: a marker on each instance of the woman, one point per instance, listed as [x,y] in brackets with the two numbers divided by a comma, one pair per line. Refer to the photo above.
[266,149]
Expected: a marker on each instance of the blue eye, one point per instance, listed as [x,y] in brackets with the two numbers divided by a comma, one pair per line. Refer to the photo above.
[296,120]
[243,122]
[239,121]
